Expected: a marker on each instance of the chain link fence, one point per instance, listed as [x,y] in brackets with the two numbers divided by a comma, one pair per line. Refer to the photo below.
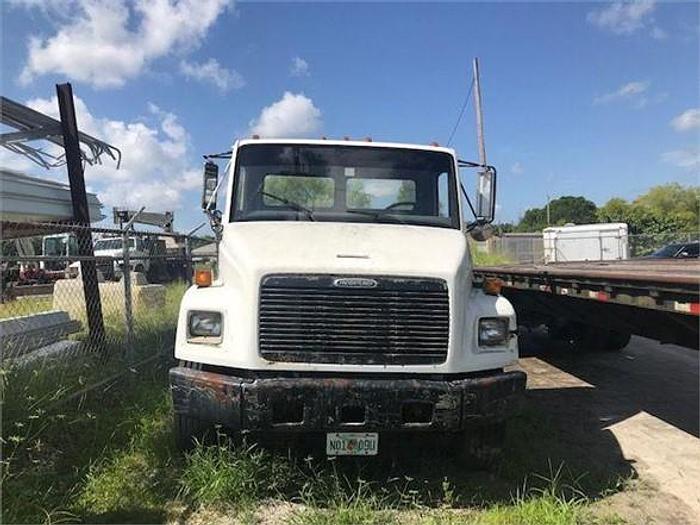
[71,321]
[529,248]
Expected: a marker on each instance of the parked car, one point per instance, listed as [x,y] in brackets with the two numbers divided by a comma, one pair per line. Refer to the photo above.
[681,250]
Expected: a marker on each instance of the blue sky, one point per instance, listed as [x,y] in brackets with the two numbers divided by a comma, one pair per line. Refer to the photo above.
[596,99]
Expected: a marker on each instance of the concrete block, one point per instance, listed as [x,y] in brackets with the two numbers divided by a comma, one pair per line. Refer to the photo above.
[68,295]
[19,335]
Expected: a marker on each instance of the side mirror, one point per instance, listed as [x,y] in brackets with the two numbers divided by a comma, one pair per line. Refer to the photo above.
[211,181]
[481,232]
[486,195]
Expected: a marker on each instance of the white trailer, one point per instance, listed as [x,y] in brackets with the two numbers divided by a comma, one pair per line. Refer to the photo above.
[586,242]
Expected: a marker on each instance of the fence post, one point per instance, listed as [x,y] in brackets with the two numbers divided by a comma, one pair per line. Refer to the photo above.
[126,277]
[188,261]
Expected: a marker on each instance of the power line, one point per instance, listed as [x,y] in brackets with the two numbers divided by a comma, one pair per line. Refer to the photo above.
[461,112]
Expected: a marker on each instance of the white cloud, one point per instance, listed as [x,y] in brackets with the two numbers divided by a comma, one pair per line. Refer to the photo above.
[155,170]
[689,119]
[213,72]
[300,67]
[633,92]
[379,189]
[294,115]
[12,161]
[626,18]
[107,42]
[516,168]
[683,158]
[658,34]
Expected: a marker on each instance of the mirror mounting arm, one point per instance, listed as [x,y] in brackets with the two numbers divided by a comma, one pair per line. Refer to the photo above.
[209,192]
[215,223]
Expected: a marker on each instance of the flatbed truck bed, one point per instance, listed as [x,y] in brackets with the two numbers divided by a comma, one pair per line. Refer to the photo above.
[582,301]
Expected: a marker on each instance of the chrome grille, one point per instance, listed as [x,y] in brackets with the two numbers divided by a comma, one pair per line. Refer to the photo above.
[353,319]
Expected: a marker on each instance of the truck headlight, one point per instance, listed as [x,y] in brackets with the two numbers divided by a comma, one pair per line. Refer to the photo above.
[493,331]
[204,327]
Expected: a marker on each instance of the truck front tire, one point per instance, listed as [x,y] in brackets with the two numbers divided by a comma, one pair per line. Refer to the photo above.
[189,431]
[481,446]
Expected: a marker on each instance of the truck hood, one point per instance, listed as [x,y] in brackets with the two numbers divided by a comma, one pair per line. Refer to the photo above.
[260,248]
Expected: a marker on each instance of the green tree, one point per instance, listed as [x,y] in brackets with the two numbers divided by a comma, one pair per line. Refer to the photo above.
[567,209]
[311,192]
[672,198]
[357,196]
[652,222]
[662,209]
[407,192]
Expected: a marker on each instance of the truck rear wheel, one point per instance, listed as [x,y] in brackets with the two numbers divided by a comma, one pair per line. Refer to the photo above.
[616,341]
[481,446]
[591,338]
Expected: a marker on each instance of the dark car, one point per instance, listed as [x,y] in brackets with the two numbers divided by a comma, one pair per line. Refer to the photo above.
[681,250]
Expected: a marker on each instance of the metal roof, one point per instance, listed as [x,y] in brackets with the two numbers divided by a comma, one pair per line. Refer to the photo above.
[32,125]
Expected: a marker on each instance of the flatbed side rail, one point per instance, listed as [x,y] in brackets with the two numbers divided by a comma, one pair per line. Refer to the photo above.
[671,286]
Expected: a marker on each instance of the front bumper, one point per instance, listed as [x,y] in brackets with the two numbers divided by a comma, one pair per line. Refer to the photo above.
[343,403]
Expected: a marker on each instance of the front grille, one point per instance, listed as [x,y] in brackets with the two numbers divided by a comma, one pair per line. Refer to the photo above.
[315,319]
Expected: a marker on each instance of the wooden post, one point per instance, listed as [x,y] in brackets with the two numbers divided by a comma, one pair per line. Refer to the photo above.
[81,213]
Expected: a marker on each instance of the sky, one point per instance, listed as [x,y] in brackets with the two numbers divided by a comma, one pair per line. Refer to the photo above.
[593,99]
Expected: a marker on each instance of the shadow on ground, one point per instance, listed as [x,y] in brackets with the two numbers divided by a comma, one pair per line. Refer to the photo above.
[646,376]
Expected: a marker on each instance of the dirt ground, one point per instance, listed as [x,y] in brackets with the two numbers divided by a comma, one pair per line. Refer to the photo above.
[634,412]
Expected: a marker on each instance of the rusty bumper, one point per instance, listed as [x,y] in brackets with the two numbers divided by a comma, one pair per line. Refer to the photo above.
[347,403]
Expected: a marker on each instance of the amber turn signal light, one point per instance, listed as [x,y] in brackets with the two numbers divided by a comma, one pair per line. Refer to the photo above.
[202,277]
[492,286]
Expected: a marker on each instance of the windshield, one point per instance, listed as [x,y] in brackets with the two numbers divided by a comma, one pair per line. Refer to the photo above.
[112,244]
[668,251]
[277,182]
[55,245]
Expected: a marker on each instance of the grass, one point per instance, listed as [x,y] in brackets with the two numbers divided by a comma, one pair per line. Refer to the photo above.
[480,258]
[25,306]
[112,459]
[28,389]
[50,444]
[108,456]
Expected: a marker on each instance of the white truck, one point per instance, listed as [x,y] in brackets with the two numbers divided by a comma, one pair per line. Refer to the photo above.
[344,302]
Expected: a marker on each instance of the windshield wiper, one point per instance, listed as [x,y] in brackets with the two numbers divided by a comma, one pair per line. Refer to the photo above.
[291,204]
[376,215]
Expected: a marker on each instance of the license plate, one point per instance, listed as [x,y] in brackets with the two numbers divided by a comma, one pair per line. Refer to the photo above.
[352,443]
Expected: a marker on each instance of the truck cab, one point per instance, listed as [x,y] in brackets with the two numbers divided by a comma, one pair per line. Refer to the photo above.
[343,302]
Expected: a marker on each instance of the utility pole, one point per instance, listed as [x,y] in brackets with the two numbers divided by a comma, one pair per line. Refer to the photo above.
[479,115]
[548,221]
[485,186]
